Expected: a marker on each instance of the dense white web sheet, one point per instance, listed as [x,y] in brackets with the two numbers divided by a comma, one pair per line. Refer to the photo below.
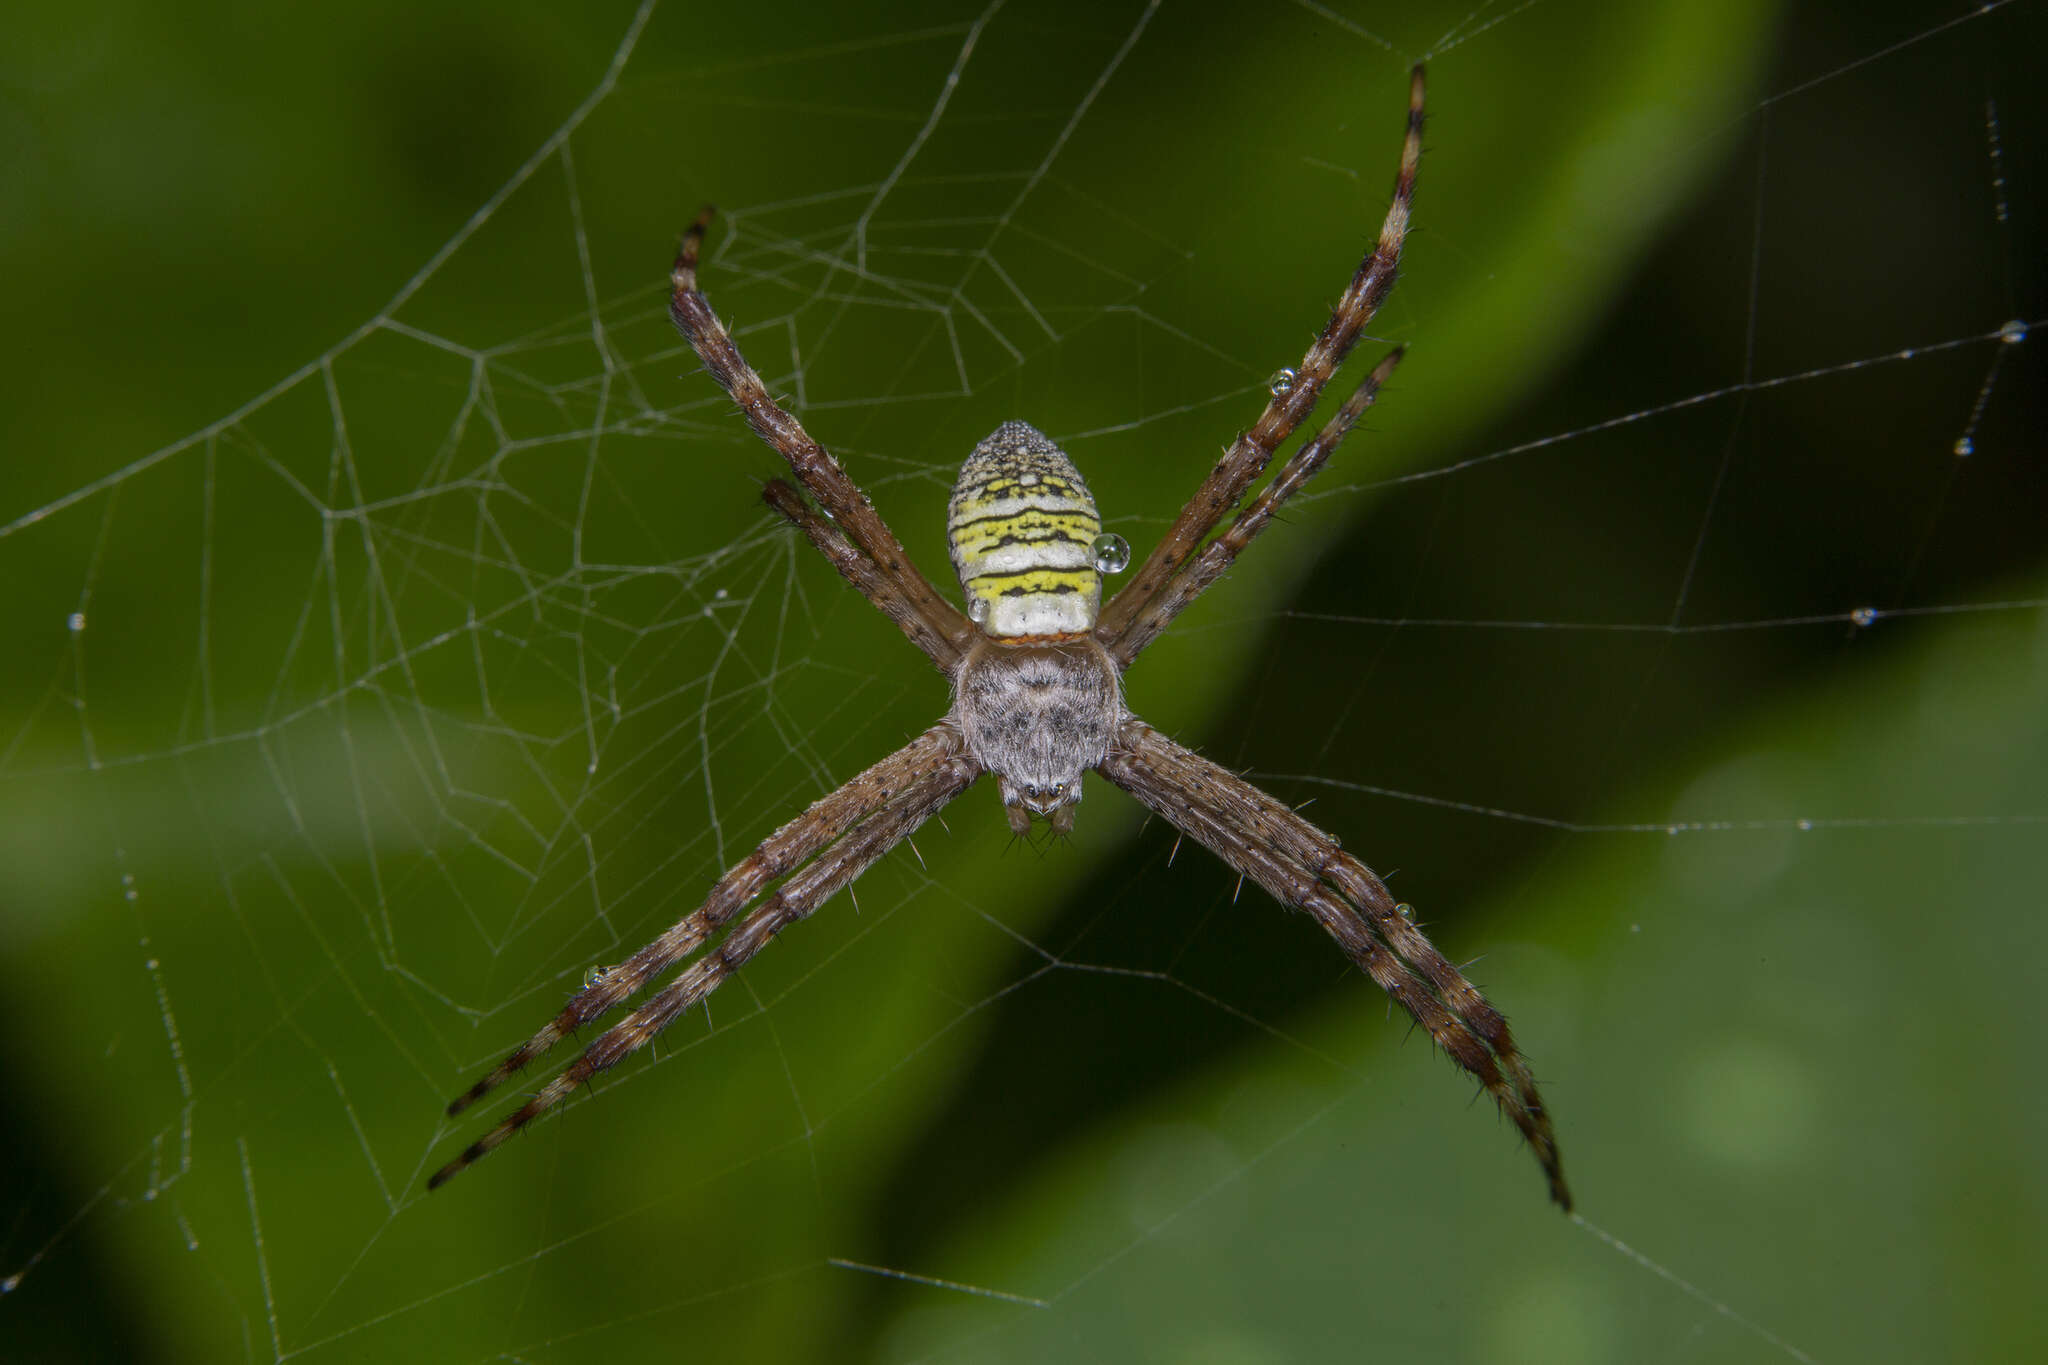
[346,732]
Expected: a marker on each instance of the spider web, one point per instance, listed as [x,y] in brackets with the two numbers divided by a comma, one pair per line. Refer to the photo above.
[1674,637]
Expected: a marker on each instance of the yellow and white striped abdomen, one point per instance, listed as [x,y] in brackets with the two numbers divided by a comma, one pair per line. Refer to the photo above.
[1022,528]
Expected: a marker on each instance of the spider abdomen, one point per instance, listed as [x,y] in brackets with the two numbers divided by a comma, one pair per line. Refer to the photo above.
[1022,526]
[1038,716]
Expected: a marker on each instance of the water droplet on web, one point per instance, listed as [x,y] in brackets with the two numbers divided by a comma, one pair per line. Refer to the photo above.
[720,595]
[8,1285]
[1965,446]
[2013,333]
[1111,553]
[1863,616]
[1282,383]
[76,621]
[1805,824]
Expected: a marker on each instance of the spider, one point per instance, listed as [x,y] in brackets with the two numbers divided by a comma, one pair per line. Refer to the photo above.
[1036,663]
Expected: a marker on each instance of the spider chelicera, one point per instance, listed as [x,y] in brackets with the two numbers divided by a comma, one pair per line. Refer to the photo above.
[1036,662]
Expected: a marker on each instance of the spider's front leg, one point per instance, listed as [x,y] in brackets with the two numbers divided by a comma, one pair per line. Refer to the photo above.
[820,851]
[1301,866]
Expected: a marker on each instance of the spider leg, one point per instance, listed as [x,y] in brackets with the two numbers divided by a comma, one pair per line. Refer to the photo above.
[827,819]
[820,474]
[804,892]
[1303,867]
[857,569]
[1219,554]
[1249,454]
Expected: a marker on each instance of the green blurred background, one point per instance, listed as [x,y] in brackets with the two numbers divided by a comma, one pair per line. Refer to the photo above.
[394,634]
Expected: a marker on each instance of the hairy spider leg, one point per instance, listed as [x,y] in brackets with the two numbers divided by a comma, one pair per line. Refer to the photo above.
[1206,567]
[814,468]
[787,849]
[809,888]
[1291,403]
[1303,867]
[860,571]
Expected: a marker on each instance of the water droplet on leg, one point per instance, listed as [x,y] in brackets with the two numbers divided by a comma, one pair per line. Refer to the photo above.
[1110,552]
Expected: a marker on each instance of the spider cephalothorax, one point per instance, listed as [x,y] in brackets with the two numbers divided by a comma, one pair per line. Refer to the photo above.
[1038,716]
[1036,662]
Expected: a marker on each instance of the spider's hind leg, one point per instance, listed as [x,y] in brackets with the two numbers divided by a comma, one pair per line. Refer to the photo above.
[856,568]
[1291,404]
[811,464]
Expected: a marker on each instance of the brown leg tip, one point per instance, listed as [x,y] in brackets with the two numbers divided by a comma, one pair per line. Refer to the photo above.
[784,499]
[684,274]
